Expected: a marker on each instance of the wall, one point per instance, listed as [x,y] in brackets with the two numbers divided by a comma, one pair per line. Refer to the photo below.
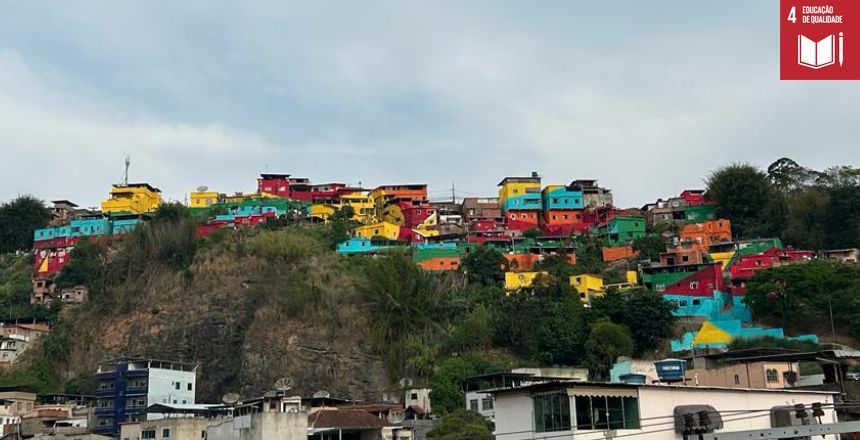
[514,411]
[162,386]
[750,375]
[261,426]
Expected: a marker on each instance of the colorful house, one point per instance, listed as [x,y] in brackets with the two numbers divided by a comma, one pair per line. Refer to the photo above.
[360,245]
[203,199]
[687,279]
[134,198]
[386,230]
[440,256]
[593,196]
[618,253]
[588,286]
[521,280]
[621,230]
[562,210]
[701,235]
[520,200]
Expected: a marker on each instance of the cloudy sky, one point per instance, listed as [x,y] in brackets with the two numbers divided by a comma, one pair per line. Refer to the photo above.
[646,96]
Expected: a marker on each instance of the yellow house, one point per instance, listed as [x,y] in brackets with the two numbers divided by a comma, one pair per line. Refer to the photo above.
[323,211]
[133,198]
[239,197]
[362,206]
[520,193]
[381,229]
[520,280]
[588,286]
[203,199]
[632,277]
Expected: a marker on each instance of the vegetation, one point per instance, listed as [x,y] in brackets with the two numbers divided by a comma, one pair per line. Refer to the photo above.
[801,296]
[807,208]
[20,217]
[605,344]
[628,308]
[462,425]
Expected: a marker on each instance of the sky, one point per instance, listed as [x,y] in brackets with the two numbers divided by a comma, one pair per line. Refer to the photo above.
[647,97]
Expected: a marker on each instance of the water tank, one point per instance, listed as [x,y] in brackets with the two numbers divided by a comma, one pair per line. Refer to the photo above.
[670,370]
[633,378]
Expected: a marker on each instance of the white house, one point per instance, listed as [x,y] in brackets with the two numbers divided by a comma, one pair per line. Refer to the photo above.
[585,410]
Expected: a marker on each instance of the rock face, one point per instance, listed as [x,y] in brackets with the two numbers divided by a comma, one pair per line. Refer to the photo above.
[225,314]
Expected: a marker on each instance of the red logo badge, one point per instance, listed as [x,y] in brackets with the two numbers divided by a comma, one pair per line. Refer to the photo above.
[819,40]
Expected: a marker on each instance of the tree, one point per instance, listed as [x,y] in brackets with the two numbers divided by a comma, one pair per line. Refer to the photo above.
[787,175]
[447,394]
[745,196]
[606,343]
[650,247]
[843,217]
[532,233]
[462,425]
[649,318]
[646,315]
[800,296]
[171,212]
[85,266]
[485,266]
[341,224]
[20,218]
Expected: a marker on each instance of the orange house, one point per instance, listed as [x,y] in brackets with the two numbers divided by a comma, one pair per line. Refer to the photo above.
[618,253]
[440,263]
[703,234]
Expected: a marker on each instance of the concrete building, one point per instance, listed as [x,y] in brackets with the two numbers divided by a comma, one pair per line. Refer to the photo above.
[265,418]
[418,397]
[479,397]
[127,386]
[18,403]
[133,198]
[586,410]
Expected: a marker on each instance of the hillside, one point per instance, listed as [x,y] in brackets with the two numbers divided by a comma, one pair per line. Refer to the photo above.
[233,312]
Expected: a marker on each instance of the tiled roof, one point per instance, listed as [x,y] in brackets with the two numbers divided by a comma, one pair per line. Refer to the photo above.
[343,418]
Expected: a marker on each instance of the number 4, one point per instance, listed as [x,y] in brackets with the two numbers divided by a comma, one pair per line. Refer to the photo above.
[792,17]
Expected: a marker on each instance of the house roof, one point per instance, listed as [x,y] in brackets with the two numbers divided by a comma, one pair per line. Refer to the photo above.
[199,408]
[565,384]
[343,418]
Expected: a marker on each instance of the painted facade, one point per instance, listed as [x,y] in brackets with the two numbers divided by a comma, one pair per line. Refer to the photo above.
[385,230]
[521,280]
[134,198]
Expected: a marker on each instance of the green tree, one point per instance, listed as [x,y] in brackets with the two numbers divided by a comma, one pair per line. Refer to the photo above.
[605,344]
[462,425]
[746,196]
[474,330]
[843,217]
[171,212]
[341,224]
[650,247]
[85,266]
[649,318]
[20,217]
[485,266]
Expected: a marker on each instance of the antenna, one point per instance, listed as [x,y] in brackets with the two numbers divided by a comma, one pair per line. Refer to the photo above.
[396,417]
[284,383]
[322,394]
[125,174]
[230,398]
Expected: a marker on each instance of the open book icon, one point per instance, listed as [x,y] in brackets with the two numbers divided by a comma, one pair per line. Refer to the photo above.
[816,55]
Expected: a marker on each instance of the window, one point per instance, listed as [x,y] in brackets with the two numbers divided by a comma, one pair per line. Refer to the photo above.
[473,404]
[414,396]
[165,433]
[772,376]
[147,433]
[487,404]
[189,386]
[552,412]
[606,412]
[697,302]
[177,385]
[694,285]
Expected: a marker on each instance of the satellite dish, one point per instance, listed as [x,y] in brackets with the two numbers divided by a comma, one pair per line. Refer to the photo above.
[396,417]
[322,394]
[230,398]
[202,188]
[284,383]
[270,394]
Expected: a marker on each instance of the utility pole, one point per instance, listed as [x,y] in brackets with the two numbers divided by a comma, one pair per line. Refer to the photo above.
[125,174]
[453,193]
